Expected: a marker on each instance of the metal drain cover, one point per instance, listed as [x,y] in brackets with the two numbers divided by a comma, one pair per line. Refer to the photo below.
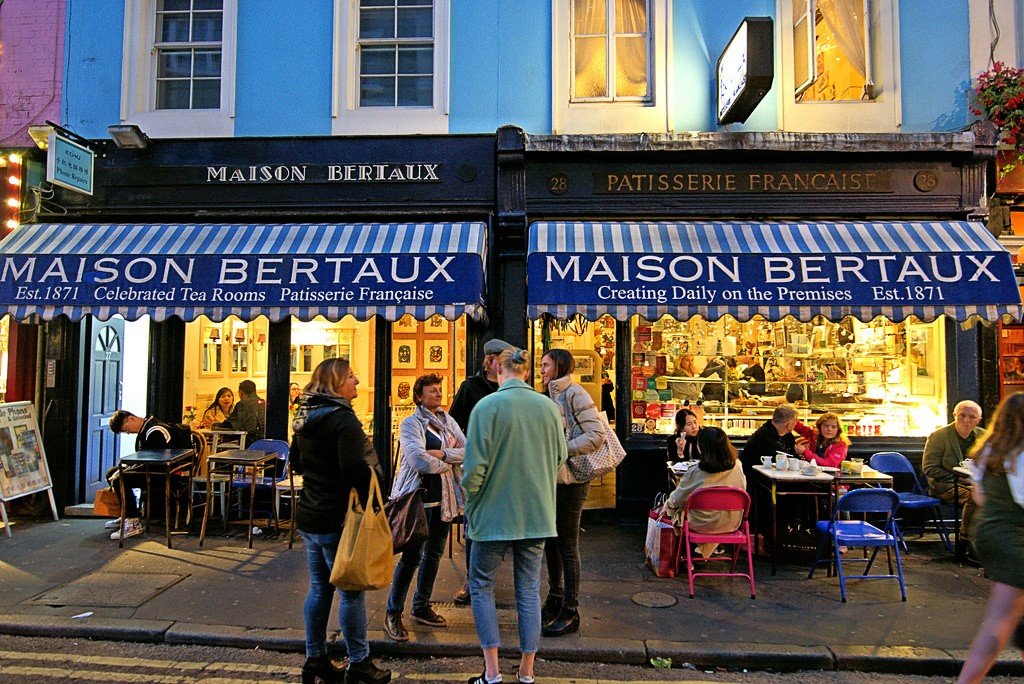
[653,599]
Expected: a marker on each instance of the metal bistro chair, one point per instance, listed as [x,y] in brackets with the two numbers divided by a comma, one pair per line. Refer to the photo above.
[895,463]
[851,533]
[268,481]
[718,499]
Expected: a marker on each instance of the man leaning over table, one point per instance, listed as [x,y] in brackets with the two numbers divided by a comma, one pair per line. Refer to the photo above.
[943,451]
[152,434]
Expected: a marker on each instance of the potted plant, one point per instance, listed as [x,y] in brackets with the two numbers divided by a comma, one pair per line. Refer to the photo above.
[999,96]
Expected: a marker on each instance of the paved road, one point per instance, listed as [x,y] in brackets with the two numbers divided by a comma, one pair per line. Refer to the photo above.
[24,660]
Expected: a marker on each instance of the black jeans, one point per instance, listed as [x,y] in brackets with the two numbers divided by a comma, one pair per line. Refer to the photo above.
[563,552]
[427,557]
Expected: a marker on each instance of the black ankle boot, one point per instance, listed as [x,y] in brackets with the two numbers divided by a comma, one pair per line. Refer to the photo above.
[321,670]
[551,608]
[567,622]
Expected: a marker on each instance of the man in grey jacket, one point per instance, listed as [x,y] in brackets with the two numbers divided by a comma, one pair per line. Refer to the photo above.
[249,414]
[943,451]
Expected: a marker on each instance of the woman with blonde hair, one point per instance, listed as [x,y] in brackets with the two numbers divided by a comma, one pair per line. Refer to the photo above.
[334,456]
[824,444]
[998,472]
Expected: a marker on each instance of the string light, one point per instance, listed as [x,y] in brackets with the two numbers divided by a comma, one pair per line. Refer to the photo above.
[12,203]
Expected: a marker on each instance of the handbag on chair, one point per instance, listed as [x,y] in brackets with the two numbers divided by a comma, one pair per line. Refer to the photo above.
[408,520]
[365,557]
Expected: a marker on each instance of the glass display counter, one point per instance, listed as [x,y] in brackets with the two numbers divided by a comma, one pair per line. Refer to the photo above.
[881,378]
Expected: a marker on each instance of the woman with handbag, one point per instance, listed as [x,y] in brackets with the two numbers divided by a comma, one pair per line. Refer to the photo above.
[331,452]
[433,447]
[997,467]
[584,433]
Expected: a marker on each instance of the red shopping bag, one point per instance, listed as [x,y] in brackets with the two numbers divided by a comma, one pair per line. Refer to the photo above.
[662,545]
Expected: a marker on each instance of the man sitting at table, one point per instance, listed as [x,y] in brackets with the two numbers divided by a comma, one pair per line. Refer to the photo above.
[775,435]
[249,414]
[152,434]
[944,450]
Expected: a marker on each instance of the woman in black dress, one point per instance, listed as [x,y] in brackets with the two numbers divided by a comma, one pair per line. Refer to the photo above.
[998,471]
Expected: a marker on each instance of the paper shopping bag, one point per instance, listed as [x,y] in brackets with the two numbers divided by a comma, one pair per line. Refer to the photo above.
[365,557]
[662,545]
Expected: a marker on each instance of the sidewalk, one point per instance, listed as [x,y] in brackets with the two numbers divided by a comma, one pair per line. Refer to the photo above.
[227,595]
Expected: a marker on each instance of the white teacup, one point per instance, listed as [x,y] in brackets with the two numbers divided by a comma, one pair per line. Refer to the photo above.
[794,464]
[766,461]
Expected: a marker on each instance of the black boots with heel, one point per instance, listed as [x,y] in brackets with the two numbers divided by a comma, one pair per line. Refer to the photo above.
[566,622]
[321,670]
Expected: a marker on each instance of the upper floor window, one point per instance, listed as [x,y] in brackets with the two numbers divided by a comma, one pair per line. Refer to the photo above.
[840,65]
[610,66]
[396,53]
[830,50]
[611,46]
[178,67]
[188,49]
[390,54]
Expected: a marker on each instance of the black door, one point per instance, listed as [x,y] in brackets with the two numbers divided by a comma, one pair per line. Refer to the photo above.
[103,389]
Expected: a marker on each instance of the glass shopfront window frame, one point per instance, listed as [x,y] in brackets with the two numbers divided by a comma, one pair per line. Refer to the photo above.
[883,379]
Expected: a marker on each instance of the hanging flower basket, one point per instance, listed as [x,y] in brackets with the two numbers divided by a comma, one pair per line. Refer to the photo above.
[999,96]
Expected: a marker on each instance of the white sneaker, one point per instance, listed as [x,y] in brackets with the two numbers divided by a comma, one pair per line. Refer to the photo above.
[112,524]
[132,528]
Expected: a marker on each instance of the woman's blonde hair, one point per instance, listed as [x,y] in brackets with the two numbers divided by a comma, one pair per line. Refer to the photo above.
[1005,436]
[514,360]
[328,377]
[840,436]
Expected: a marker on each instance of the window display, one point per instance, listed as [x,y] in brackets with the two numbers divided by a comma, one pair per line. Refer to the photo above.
[881,378]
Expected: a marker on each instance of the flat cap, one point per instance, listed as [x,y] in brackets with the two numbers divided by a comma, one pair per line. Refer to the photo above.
[497,346]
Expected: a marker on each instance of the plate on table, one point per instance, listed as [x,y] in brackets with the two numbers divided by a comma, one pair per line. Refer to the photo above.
[829,469]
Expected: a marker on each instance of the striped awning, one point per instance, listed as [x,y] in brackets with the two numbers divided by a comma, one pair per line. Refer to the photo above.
[217,270]
[923,269]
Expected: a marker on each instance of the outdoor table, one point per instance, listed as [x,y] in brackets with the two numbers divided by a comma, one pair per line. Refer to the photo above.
[253,461]
[822,485]
[154,462]
[960,473]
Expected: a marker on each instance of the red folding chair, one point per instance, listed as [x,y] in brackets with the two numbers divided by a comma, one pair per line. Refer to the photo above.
[718,499]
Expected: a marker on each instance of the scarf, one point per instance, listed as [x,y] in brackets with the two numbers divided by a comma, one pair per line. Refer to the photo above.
[452,503]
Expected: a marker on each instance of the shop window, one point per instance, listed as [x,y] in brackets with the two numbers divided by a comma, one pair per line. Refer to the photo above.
[610,66]
[222,355]
[881,378]
[320,339]
[840,65]
[434,346]
[5,332]
[391,56]
[178,66]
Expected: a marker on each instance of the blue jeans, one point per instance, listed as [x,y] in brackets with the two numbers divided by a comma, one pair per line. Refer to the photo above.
[320,551]
[485,559]
[426,556]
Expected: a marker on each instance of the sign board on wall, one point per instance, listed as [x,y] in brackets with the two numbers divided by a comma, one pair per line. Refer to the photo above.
[745,70]
[69,164]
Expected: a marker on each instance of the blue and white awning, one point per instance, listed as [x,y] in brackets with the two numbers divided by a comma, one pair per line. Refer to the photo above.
[923,269]
[216,270]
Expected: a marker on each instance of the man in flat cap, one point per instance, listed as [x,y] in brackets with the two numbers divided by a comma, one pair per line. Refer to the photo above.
[471,391]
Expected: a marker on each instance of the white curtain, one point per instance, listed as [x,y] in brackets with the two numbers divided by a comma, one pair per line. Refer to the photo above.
[590,47]
[631,52]
[846,19]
